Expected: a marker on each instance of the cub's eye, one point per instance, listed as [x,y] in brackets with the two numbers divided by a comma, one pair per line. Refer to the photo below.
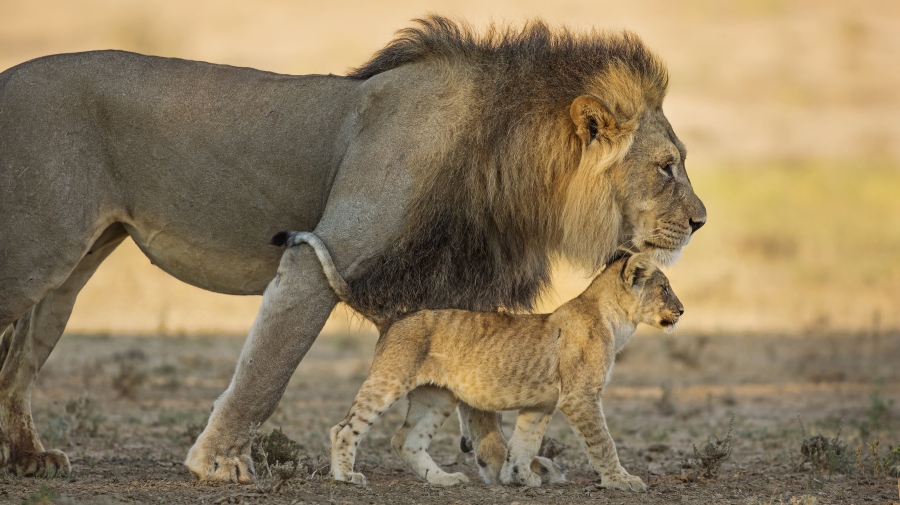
[667,171]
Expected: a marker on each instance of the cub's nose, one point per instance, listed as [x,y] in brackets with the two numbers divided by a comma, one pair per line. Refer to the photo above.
[696,224]
[680,310]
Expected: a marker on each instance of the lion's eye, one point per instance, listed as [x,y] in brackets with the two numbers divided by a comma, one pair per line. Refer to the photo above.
[667,171]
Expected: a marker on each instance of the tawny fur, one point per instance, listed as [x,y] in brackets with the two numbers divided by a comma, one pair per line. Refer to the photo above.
[497,361]
[448,172]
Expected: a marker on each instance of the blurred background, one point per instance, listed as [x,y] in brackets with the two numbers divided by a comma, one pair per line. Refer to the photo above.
[790,111]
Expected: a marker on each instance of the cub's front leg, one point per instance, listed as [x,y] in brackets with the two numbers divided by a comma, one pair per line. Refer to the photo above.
[585,415]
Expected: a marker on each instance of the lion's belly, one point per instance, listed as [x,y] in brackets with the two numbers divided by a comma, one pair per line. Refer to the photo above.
[223,244]
[242,271]
[216,235]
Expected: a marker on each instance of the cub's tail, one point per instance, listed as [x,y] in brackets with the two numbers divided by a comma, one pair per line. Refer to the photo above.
[292,238]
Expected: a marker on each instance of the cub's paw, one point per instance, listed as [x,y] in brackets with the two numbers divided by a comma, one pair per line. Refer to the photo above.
[219,467]
[447,479]
[350,477]
[518,475]
[623,481]
[550,472]
[47,464]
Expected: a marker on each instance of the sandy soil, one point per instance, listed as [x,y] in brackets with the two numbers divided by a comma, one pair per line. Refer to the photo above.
[135,404]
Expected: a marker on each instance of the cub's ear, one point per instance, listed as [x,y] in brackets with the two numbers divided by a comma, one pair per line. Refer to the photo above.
[594,119]
[637,270]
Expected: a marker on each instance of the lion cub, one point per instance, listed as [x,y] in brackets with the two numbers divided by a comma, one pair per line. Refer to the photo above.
[496,361]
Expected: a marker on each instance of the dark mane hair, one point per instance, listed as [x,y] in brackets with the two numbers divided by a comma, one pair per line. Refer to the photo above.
[536,49]
[483,228]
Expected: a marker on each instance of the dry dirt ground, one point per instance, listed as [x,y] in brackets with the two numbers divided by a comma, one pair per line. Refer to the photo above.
[126,410]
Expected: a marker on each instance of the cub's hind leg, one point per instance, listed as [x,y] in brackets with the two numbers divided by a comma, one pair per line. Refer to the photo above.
[523,447]
[379,391]
[429,407]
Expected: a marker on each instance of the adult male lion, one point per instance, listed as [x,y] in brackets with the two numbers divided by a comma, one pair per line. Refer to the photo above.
[446,172]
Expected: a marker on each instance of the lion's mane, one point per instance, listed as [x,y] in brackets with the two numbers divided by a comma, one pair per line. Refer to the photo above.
[506,192]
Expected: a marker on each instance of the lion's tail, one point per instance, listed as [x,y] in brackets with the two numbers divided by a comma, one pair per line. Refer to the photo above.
[292,238]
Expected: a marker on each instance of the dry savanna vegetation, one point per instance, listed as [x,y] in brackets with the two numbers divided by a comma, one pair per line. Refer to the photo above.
[779,387]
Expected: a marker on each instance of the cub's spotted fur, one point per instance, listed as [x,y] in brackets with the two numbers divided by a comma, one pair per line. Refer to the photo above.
[497,361]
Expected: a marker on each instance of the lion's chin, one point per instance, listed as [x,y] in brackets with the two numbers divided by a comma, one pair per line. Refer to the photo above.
[663,257]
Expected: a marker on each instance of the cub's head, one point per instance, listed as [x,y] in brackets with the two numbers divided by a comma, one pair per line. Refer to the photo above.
[648,288]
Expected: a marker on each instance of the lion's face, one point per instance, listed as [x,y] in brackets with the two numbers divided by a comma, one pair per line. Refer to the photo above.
[659,208]
[630,189]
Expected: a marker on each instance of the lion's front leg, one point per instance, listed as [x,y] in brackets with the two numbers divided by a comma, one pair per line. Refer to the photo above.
[482,433]
[295,306]
[585,415]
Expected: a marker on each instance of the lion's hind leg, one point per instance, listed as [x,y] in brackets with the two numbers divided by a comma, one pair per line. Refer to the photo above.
[24,348]
[429,407]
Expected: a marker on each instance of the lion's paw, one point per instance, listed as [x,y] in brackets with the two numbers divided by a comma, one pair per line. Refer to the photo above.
[48,464]
[519,475]
[350,477]
[447,479]
[218,467]
[550,472]
[489,472]
[623,481]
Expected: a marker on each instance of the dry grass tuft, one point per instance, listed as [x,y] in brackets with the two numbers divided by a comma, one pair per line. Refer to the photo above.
[666,403]
[713,454]
[273,448]
[132,372]
[84,415]
[278,460]
[823,453]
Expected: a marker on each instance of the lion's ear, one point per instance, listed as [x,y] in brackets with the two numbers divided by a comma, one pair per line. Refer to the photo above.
[593,119]
[637,270]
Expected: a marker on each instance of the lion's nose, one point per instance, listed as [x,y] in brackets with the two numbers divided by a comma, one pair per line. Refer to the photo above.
[696,224]
[680,310]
